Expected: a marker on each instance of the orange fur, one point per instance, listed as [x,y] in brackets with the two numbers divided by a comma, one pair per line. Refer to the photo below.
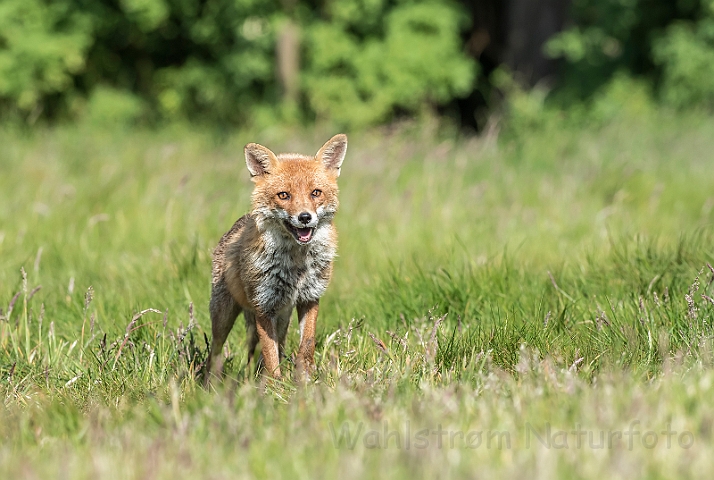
[279,256]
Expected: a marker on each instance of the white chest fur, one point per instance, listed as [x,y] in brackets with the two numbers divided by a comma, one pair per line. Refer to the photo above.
[290,273]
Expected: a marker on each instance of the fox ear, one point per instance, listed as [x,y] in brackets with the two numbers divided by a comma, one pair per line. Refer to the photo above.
[259,159]
[332,153]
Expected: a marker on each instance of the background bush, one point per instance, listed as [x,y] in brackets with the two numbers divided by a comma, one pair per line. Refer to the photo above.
[669,43]
[353,62]
[686,56]
[43,48]
[361,70]
[195,59]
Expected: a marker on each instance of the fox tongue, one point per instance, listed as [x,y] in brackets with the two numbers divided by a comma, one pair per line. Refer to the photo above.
[304,234]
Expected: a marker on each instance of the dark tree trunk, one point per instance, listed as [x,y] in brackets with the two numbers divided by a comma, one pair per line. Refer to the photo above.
[511,33]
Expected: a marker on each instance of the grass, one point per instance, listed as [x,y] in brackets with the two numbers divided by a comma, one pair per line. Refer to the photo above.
[544,290]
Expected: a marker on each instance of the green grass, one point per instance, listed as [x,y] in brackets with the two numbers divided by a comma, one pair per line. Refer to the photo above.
[551,281]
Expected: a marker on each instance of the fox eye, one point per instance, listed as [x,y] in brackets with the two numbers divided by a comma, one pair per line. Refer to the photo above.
[316,193]
[283,195]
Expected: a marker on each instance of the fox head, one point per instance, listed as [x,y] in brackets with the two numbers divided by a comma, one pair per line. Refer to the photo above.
[296,194]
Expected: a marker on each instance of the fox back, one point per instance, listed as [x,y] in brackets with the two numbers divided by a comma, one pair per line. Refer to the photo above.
[279,256]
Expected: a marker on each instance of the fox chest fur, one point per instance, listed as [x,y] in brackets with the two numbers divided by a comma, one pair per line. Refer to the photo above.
[269,271]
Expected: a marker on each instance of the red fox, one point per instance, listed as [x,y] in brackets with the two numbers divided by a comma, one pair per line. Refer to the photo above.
[279,256]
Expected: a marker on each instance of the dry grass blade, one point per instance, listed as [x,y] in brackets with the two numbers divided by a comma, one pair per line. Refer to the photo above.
[33,292]
[11,305]
[601,319]
[558,289]
[402,341]
[433,345]
[578,360]
[380,344]
[691,307]
[38,258]
[130,328]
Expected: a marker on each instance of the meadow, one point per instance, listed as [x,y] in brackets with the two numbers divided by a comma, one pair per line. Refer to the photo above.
[532,302]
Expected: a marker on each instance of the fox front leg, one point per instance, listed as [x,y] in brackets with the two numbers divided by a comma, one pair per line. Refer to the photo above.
[307,315]
[269,344]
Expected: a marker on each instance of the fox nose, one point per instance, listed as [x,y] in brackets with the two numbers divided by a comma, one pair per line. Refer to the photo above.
[304,218]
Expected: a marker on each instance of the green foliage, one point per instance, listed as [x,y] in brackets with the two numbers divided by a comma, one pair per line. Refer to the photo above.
[43,47]
[356,63]
[668,44]
[412,61]
[111,107]
[686,56]
[189,59]
[527,110]
[217,60]
[603,41]
[623,96]
[232,70]
[148,15]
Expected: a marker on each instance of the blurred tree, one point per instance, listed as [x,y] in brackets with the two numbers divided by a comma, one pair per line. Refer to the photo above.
[235,61]
[610,36]
[508,33]
[352,62]
[685,53]
[43,46]
[370,60]
[192,59]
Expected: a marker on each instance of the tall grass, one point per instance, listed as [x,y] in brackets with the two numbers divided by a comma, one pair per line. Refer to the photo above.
[547,280]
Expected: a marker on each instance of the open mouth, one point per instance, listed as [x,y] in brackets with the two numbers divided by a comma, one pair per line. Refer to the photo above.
[302,235]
